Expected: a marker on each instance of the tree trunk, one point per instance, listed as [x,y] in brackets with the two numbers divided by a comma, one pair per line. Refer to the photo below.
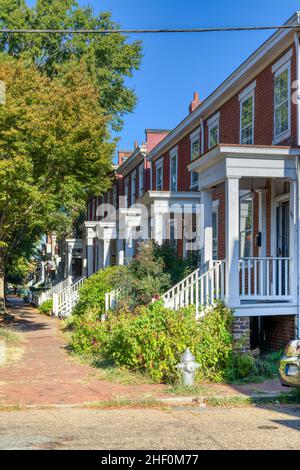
[2,283]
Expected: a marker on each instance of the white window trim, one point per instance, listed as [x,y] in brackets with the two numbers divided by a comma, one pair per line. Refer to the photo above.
[212,122]
[174,156]
[242,101]
[283,61]
[193,138]
[286,134]
[247,91]
[141,177]
[159,164]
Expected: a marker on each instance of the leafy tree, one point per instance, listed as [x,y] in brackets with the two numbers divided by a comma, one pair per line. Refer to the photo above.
[110,59]
[63,93]
[54,152]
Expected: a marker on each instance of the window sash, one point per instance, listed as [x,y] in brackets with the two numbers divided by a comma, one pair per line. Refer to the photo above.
[173,174]
[159,178]
[213,134]
[247,120]
[282,102]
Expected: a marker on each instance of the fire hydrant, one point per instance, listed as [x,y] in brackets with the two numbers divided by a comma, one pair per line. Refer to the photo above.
[188,367]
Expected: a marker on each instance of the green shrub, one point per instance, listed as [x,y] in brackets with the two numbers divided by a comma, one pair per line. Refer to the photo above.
[145,278]
[46,307]
[92,293]
[151,339]
[243,365]
[175,265]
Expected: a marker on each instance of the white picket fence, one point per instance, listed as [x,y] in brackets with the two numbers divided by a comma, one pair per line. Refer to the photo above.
[65,300]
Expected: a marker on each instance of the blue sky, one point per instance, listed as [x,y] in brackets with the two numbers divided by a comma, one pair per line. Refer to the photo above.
[176,65]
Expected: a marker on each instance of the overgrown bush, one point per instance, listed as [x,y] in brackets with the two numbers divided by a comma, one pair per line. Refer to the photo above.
[46,307]
[175,265]
[92,293]
[145,278]
[151,339]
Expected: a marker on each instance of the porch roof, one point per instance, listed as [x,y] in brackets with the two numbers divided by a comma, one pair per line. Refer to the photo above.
[226,160]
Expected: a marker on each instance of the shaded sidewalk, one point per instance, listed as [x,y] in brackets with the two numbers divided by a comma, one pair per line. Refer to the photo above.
[47,375]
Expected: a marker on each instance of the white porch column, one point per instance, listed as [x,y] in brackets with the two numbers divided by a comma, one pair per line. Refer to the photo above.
[106,253]
[293,240]
[120,252]
[232,241]
[69,266]
[90,251]
[206,225]
[129,249]
[158,211]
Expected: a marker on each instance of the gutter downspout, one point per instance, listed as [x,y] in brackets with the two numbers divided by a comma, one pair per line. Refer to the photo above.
[296,38]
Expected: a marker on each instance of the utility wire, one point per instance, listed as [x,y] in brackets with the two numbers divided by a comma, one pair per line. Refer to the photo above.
[146,31]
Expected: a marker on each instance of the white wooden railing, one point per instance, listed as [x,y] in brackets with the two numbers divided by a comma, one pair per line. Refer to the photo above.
[111,299]
[198,289]
[65,300]
[265,279]
[42,296]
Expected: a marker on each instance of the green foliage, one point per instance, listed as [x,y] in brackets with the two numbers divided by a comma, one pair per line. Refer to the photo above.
[175,265]
[110,59]
[246,369]
[144,279]
[92,292]
[151,340]
[46,307]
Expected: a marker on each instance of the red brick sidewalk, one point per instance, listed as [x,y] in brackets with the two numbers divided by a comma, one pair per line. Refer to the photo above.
[47,375]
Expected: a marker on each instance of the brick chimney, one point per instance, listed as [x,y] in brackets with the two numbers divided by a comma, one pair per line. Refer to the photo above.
[154,137]
[123,155]
[195,103]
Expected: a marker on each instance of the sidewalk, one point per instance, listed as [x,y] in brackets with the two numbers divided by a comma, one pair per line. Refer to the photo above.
[47,375]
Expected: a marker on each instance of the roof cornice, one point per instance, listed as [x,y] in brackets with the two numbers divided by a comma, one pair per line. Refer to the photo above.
[259,59]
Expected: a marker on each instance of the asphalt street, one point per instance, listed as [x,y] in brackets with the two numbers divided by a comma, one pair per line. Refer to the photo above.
[181,428]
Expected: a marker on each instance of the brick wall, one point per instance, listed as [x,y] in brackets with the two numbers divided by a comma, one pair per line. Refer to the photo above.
[278,331]
[241,333]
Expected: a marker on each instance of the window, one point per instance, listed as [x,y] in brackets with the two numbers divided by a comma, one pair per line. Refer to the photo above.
[141,180]
[195,152]
[126,192]
[213,130]
[247,119]
[215,227]
[173,170]
[282,103]
[133,188]
[246,225]
[159,175]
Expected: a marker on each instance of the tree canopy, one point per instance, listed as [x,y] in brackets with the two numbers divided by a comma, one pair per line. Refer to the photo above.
[110,59]
[64,94]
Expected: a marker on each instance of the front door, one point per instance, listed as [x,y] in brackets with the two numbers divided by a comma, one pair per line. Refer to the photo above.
[283,245]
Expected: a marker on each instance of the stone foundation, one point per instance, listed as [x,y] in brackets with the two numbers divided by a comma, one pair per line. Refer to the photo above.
[241,333]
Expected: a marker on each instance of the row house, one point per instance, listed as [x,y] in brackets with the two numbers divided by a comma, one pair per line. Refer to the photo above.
[236,156]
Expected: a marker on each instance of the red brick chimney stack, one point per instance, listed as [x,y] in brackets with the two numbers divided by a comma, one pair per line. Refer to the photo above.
[195,103]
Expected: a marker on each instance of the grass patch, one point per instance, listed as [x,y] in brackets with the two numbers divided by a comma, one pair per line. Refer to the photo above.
[194,390]
[125,402]
[106,369]
[13,345]
[266,368]
[282,399]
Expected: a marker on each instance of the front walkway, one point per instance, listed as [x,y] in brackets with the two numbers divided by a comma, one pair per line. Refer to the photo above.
[46,374]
